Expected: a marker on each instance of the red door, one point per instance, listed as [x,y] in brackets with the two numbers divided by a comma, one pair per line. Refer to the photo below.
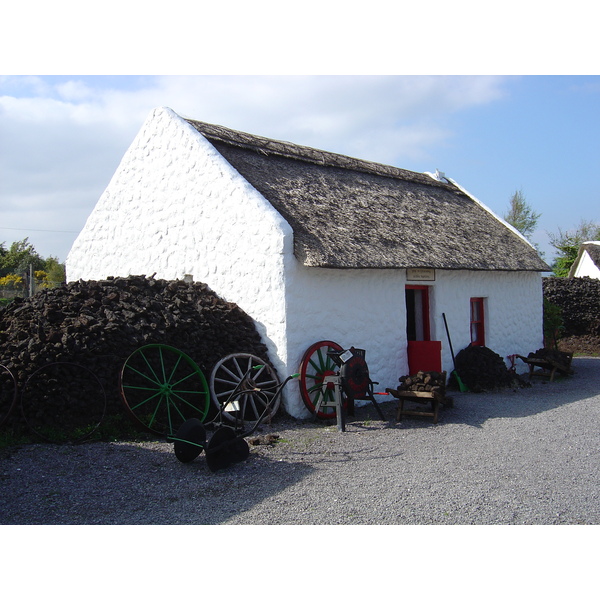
[424,354]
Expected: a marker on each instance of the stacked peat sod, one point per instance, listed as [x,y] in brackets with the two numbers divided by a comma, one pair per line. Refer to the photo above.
[98,324]
[482,370]
[579,301]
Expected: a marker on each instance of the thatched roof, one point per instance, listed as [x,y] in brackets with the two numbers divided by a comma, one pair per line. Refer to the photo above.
[351,213]
[593,249]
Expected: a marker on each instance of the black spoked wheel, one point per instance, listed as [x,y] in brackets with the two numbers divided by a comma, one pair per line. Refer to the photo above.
[244,388]
[8,393]
[63,402]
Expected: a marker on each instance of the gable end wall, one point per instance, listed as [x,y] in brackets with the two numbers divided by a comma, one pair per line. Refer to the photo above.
[176,207]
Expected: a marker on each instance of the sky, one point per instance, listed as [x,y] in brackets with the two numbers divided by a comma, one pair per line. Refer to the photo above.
[530,125]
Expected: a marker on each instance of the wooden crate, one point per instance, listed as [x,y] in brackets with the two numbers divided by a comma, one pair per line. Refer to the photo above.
[433,399]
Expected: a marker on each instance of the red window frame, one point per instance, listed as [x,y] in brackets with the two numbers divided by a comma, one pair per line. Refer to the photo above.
[477,324]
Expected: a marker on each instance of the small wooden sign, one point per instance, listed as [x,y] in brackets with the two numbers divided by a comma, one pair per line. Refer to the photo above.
[420,274]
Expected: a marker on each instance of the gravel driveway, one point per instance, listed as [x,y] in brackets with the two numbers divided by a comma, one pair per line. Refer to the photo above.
[529,456]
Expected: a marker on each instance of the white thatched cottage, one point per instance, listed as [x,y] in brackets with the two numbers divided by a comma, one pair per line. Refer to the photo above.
[316,246]
[587,263]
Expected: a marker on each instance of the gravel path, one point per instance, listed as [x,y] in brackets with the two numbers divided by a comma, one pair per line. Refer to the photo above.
[529,456]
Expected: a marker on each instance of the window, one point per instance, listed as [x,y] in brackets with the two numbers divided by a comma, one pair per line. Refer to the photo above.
[477,322]
[417,313]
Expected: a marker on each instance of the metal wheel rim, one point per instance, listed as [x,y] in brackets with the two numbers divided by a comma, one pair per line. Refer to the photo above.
[315,366]
[226,377]
[43,431]
[8,393]
[162,387]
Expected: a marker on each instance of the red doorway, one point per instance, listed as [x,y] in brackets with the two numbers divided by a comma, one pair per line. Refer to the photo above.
[424,354]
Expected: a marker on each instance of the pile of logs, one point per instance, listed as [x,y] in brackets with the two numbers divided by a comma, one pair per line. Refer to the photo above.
[424,388]
[98,324]
[423,381]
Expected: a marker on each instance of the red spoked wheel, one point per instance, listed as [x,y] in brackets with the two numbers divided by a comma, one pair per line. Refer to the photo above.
[315,366]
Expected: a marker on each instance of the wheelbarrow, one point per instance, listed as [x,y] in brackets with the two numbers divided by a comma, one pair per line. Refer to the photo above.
[227,445]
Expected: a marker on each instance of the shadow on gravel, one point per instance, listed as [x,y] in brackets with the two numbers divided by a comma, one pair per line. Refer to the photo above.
[121,484]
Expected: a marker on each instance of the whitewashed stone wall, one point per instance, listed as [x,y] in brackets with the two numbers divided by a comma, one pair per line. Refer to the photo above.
[513,311]
[176,207]
[363,308]
[366,309]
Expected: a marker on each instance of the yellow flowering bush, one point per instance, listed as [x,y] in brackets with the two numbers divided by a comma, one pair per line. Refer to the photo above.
[11,281]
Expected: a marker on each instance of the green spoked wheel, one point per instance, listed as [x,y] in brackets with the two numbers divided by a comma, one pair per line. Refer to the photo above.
[315,366]
[8,393]
[244,389]
[162,388]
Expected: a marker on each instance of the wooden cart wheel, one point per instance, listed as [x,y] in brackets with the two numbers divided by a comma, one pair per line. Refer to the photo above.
[63,402]
[162,388]
[8,393]
[315,366]
[255,378]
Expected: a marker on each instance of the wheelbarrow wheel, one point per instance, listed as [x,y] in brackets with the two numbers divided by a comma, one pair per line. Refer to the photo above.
[189,441]
[8,393]
[315,366]
[162,388]
[244,389]
[225,448]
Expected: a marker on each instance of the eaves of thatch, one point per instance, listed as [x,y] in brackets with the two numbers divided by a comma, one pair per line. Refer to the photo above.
[351,213]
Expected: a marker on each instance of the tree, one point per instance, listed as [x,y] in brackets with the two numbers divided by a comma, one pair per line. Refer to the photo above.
[22,256]
[18,258]
[55,271]
[521,216]
[567,243]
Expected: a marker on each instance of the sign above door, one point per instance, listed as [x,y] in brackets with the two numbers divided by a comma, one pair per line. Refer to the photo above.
[420,274]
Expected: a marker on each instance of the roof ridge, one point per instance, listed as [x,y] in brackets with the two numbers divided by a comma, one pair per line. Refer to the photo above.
[306,153]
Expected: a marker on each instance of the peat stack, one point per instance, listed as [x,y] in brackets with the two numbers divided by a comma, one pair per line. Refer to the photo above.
[481,370]
[98,324]
[579,301]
